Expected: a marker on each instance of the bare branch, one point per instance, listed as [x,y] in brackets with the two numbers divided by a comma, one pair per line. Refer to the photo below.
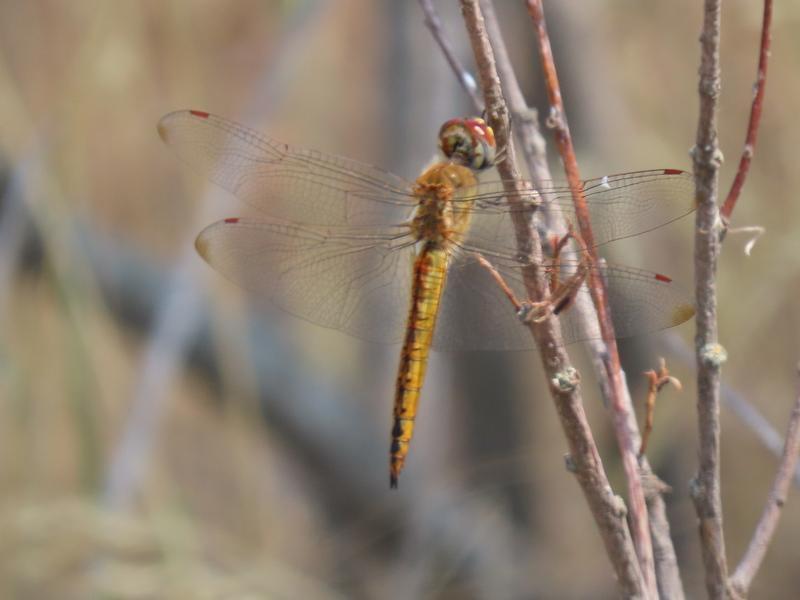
[755,116]
[736,401]
[526,127]
[620,409]
[709,354]
[465,78]
[607,509]
[753,557]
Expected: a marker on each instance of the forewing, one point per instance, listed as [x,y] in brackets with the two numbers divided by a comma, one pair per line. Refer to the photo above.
[286,183]
[620,206]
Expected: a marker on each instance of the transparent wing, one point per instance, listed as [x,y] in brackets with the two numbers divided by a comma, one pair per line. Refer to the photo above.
[332,260]
[476,315]
[286,183]
[620,206]
[357,280]
[307,186]
[349,279]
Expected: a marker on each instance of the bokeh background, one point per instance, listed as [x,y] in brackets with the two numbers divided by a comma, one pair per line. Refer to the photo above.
[162,436]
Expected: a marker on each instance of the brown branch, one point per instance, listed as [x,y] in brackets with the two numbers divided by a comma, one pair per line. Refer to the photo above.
[526,127]
[525,122]
[607,509]
[710,355]
[465,78]
[620,409]
[754,555]
[755,116]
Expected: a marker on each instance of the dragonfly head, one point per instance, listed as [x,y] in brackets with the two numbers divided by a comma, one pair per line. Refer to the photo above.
[468,142]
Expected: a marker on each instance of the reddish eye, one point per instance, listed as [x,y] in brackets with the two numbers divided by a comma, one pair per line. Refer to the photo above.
[469,142]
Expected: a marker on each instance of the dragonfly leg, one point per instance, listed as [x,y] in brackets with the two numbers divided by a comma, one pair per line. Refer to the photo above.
[529,311]
[518,306]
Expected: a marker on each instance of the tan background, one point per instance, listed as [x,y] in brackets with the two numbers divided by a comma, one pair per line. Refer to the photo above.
[250,461]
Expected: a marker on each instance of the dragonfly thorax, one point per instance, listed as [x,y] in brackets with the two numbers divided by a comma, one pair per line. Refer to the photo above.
[441,216]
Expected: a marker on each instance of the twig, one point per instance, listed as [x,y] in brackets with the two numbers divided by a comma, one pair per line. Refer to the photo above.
[657,380]
[754,555]
[621,411]
[755,116]
[710,355]
[736,401]
[465,78]
[607,509]
[525,122]
[526,126]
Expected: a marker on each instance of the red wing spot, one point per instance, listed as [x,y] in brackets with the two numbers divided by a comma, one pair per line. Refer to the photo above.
[199,113]
[231,220]
[673,172]
[663,278]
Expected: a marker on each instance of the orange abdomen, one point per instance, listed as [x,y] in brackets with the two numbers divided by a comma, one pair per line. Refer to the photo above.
[430,271]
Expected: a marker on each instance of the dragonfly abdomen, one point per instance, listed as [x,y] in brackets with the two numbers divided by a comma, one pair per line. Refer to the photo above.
[430,270]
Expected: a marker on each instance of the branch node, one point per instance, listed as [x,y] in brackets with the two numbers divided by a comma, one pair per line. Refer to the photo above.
[566,380]
[714,354]
[554,119]
[653,485]
[618,506]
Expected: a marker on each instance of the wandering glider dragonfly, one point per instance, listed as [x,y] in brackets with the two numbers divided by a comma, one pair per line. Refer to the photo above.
[355,248]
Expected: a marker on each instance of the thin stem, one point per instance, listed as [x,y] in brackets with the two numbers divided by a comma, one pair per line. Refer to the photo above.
[657,380]
[754,556]
[465,78]
[742,408]
[755,116]
[620,409]
[710,355]
[607,509]
[526,127]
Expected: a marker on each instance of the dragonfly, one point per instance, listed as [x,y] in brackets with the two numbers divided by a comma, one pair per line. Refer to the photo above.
[352,247]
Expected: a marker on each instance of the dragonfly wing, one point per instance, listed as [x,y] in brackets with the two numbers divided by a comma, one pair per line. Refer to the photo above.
[348,279]
[640,301]
[282,181]
[630,204]
[620,206]
[477,315]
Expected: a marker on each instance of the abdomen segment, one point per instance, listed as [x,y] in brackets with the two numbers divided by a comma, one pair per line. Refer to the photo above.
[430,269]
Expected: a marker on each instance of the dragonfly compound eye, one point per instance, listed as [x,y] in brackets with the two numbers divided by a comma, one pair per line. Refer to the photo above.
[469,142]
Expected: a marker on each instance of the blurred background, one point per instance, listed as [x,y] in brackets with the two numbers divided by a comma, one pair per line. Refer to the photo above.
[163,436]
